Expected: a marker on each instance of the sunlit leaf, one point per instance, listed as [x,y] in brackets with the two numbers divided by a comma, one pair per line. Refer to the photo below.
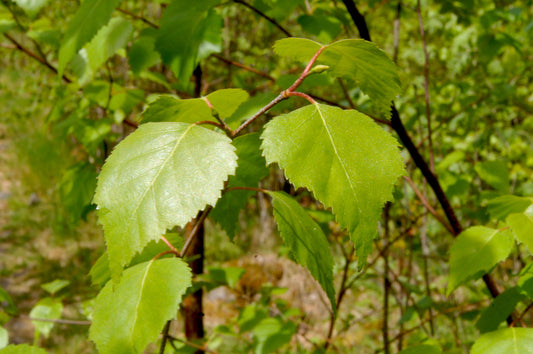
[508,340]
[90,17]
[305,240]
[344,158]
[226,101]
[522,225]
[354,59]
[22,349]
[159,177]
[126,319]
[475,251]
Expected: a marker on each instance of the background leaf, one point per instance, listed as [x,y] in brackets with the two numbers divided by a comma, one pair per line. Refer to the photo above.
[127,319]
[250,170]
[500,207]
[159,177]
[475,251]
[90,17]
[522,225]
[183,26]
[48,309]
[306,242]
[501,307]
[495,174]
[105,43]
[172,109]
[344,158]
[22,349]
[508,340]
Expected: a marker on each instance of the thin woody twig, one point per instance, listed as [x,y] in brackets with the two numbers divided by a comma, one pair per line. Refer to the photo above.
[31,54]
[266,17]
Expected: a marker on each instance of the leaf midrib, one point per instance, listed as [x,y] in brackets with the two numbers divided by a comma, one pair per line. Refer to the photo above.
[339,159]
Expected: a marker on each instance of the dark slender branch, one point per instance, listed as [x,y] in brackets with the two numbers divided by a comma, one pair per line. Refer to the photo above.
[194,231]
[432,180]
[358,19]
[137,17]
[41,60]
[266,17]
[165,338]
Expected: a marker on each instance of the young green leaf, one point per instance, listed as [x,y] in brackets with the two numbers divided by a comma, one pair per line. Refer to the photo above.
[500,207]
[171,109]
[183,26]
[31,7]
[159,177]
[475,251]
[494,173]
[90,17]
[522,225]
[508,340]
[226,101]
[252,168]
[306,242]
[500,308]
[22,349]
[354,59]
[105,43]
[48,309]
[131,316]
[344,158]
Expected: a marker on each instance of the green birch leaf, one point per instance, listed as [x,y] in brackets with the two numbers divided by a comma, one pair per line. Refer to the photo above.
[159,177]
[171,109]
[131,316]
[354,59]
[100,273]
[306,242]
[500,308]
[142,54]
[251,169]
[495,174]
[22,349]
[508,340]
[344,158]
[183,26]
[212,39]
[474,252]
[106,42]
[31,7]
[4,337]
[48,309]
[499,208]
[76,190]
[299,49]
[522,225]
[226,101]
[422,349]
[90,17]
